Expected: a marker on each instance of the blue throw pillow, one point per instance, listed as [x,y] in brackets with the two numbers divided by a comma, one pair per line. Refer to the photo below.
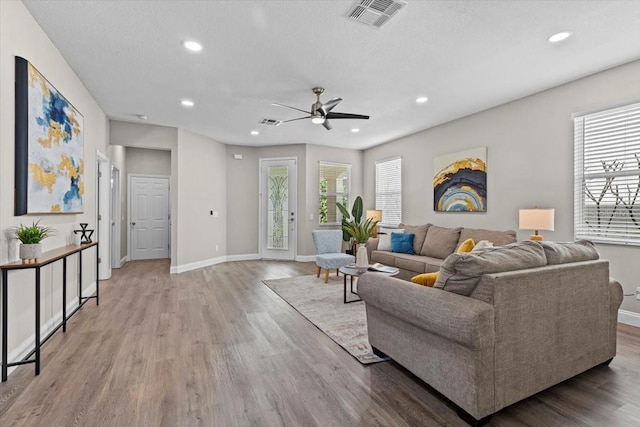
[402,243]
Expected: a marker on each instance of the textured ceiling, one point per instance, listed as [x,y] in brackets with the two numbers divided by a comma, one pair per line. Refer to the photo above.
[466,56]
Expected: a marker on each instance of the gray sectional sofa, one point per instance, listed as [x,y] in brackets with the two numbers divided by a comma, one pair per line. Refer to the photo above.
[500,324]
[432,244]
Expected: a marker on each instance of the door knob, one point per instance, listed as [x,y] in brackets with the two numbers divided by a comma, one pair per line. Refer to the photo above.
[133,223]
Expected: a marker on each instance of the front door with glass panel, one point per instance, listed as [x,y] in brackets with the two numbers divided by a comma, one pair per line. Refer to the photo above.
[278,179]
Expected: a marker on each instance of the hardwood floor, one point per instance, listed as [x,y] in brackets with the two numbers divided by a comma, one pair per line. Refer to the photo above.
[215,347]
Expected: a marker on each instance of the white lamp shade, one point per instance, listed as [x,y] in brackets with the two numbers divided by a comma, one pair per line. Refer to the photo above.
[536,219]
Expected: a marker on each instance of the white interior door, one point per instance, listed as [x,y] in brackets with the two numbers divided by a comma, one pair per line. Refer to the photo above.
[278,201]
[148,217]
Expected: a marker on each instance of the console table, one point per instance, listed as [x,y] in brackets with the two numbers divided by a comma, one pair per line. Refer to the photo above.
[46,259]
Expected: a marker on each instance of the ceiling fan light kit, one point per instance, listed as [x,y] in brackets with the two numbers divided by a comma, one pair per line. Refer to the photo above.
[320,113]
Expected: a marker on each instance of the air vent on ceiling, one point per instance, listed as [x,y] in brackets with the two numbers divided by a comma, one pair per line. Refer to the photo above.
[270,122]
[375,13]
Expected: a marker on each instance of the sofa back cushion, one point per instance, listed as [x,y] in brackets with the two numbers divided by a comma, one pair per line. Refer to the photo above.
[498,238]
[440,242]
[562,253]
[460,273]
[420,232]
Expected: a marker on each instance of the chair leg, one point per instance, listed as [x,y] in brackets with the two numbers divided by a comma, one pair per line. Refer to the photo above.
[337,272]
[318,271]
[326,276]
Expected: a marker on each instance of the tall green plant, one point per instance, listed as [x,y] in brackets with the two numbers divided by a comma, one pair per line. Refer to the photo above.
[353,228]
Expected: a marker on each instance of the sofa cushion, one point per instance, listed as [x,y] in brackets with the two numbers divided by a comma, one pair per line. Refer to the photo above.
[562,253]
[383,257]
[498,238]
[440,241]
[460,273]
[420,232]
[413,263]
[384,240]
[425,279]
[402,243]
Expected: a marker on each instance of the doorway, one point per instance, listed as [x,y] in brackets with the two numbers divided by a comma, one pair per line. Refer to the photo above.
[278,202]
[116,213]
[148,217]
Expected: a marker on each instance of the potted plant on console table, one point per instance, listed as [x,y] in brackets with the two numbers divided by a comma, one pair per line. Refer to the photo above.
[356,230]
[30,237]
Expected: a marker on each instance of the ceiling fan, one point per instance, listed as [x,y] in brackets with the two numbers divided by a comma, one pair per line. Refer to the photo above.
[321,113]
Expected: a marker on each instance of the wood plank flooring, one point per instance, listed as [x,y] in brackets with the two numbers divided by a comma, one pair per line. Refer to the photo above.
[215,347]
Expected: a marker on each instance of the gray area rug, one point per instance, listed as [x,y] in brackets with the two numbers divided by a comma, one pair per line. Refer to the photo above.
[322,304]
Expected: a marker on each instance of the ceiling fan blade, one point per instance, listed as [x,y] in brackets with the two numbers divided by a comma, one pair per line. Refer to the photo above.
[346,116]
[293,120]
[328,106]
[327,125]
[288,106]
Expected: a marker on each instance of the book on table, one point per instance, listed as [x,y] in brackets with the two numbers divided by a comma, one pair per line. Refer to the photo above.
[381,268]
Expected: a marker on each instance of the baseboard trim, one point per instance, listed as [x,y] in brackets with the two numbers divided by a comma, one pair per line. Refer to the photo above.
[243,257]
[195,265]
[305,258]
[124,260]
[629,318]
[25,347]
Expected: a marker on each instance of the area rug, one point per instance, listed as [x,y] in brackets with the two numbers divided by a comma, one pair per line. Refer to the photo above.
[322,304]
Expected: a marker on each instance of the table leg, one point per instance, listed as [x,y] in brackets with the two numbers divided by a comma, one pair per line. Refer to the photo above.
[64,294]
[37,320]
[345,287]
[80,278]
[5,362]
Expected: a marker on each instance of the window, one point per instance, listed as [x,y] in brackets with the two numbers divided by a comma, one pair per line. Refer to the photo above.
[607,175]
[389,190]
[335,179]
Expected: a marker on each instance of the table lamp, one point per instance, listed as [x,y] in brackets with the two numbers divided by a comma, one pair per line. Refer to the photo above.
[536,219]
[374,215]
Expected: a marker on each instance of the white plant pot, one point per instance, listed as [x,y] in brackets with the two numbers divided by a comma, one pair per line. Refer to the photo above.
[362,258]
[30,251]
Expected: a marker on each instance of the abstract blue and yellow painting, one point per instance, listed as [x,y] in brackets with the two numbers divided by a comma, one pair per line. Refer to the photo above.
[55,157]
[460,181]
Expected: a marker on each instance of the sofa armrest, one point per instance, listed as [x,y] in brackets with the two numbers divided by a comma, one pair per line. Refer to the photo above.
[616,294]
[465,320]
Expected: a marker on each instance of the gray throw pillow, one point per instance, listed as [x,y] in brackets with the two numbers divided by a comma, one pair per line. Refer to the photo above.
[420,232]
[562,253]
[440,242]
[460,273]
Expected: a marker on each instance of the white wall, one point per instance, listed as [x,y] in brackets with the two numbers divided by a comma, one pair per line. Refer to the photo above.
[530,162]
[117,155]
[202,188]
[147,161]
[21,36]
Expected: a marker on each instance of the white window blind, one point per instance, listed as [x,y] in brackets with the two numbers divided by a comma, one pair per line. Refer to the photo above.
[607,175]
[334,187]
[389,190]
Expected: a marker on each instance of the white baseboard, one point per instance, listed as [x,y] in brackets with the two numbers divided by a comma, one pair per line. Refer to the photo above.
[175,269]
[243,257]
[305,258]
[629,318]
[27,345]
[124,260]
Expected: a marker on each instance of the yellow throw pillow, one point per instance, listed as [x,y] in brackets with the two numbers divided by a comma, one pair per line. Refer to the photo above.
[466,246]
[426,279]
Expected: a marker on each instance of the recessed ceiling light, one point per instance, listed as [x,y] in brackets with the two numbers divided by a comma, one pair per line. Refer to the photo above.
[422,99]
[255,132]
[192,46]
[355,130]
[187,103]
[558,37]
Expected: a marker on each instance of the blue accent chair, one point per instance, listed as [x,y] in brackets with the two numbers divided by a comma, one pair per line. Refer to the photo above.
[329,247]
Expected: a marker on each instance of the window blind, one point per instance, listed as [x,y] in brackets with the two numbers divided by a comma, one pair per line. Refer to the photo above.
[334,187]
[389,190]
[607,175]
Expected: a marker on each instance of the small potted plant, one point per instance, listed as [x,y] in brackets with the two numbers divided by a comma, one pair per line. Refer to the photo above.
[356,230]
[30,237]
